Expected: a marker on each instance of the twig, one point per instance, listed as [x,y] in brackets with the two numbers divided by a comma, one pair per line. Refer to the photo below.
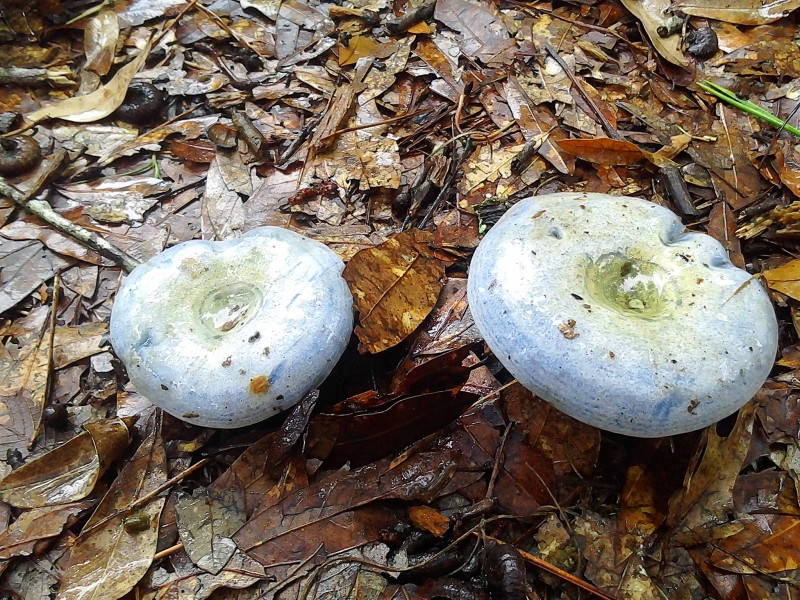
[40,207]
[149,496]
[610,130]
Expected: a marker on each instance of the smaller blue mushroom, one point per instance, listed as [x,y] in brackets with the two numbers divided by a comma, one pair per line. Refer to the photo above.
[226,334]
[606,307]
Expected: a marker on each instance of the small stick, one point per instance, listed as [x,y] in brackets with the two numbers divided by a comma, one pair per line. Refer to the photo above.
[612,133]
[147,498]
[40,207]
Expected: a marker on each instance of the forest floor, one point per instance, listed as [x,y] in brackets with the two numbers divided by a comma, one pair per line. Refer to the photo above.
[396,134]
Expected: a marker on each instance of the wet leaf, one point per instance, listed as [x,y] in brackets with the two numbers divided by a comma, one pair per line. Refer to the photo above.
[707,495]
[108,558]
[206,524]
[69,472]
[284,531]
[766,544]
[100,42]
[603,151]
[34,526]
[395,285]
[241,572]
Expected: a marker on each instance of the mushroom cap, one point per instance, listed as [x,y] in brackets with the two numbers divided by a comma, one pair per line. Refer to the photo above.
[606,307]
[226,334]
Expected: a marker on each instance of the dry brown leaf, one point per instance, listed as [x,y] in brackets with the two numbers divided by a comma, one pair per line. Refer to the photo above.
[742,12]
[654,14]
[25,266]
[766,544]
[785,279]
[483,34]
[69,472]
[603,151]
[115,548]
[100,103]
[36,525]
[24,382]
[395,285]
[722,227]
[100,42]
[707,497]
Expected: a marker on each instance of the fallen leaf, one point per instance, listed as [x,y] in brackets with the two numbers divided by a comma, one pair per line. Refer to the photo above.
[100,42]
[722,227]
[707,497]
[395,285]
[36,525]
[206,524]
[115,548]
[117,200]
[654,14]
[241,572]
[24,382]
[100,103]
[483,34]
[292,529]
[603,151]
[766,544]
[742,12]
[70,471]
[785,279]
[25,265]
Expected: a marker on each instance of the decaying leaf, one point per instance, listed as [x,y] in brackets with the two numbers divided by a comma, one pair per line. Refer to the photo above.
[117,200]
[25,266]
[707,498]
[35,526]
[116,547]
[24,382]
[205,524]
[69,472]
[293,528]
[395,285]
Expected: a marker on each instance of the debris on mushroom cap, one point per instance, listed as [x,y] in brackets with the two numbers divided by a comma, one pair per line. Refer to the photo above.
[226,334]
[609,309]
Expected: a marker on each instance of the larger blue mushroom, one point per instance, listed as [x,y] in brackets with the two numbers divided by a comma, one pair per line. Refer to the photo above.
[606,307]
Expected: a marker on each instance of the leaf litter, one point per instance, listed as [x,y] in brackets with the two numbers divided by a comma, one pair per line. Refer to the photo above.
[396,133]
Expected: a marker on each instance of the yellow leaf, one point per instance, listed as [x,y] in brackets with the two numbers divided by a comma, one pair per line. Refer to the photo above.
[785,279]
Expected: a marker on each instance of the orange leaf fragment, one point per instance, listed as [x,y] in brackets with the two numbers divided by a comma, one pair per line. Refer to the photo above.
[429,519]
[785,279]
[394,285]
[603,151]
